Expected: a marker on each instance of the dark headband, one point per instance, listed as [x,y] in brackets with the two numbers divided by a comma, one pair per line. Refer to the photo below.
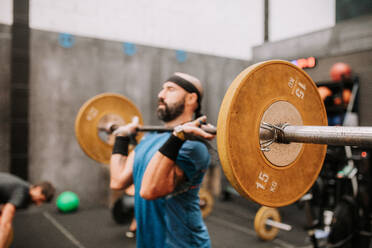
[189,87]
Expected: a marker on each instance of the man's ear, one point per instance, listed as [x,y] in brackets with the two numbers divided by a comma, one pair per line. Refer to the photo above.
[192,98]
[37,188]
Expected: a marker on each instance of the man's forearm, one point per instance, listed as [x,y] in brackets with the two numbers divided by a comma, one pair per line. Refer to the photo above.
[121,171]
[6,219]
[7,214]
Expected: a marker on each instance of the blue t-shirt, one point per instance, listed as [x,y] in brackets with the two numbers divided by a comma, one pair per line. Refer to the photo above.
[149,213]
[173,221]
[184,222]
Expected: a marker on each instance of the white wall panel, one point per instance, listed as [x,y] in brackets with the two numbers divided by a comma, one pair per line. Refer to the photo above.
[218,27]
[290,18]
[6,12]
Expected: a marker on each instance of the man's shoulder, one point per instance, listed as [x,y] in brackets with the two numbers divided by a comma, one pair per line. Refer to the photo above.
[196,150]
[20,197]
[9,179]
[197,144]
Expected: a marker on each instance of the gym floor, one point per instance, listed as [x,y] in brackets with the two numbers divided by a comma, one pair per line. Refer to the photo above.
[230,225]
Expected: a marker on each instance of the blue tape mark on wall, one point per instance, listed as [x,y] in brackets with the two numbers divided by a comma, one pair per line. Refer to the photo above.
[66,40]
[181,56]
[129,48]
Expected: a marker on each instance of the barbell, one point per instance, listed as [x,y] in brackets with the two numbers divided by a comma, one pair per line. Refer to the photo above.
[271,131]
[267,223]
[206,202]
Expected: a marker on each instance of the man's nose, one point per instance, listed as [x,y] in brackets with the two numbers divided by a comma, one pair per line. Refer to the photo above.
[161,94]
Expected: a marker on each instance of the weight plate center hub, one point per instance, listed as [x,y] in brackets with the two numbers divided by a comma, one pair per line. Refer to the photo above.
[279,113]
[104,123]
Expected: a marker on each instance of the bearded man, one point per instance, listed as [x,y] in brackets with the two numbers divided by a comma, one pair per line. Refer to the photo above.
[167,169]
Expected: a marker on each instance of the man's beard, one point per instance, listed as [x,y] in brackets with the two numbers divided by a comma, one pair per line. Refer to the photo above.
[170,113]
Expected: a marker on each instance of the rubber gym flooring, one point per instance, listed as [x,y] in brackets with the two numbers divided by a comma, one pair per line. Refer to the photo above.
[230,225]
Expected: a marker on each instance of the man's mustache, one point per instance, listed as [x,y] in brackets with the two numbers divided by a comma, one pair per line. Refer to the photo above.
[161,101]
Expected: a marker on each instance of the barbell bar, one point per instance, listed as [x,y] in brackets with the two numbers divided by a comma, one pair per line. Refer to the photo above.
[330,135]
[149,128]
[334,135]
[271,131]
[279,225]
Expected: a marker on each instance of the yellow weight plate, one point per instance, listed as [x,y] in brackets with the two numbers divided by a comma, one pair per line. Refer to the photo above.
[264,231]
[206,202]
[102,109]
[268,180]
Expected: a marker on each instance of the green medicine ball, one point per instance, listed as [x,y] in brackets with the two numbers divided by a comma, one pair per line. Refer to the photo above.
[67,201]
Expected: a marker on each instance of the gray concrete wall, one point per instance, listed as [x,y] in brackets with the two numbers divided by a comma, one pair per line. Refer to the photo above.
[5,48]
[62,79]
[349,42]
